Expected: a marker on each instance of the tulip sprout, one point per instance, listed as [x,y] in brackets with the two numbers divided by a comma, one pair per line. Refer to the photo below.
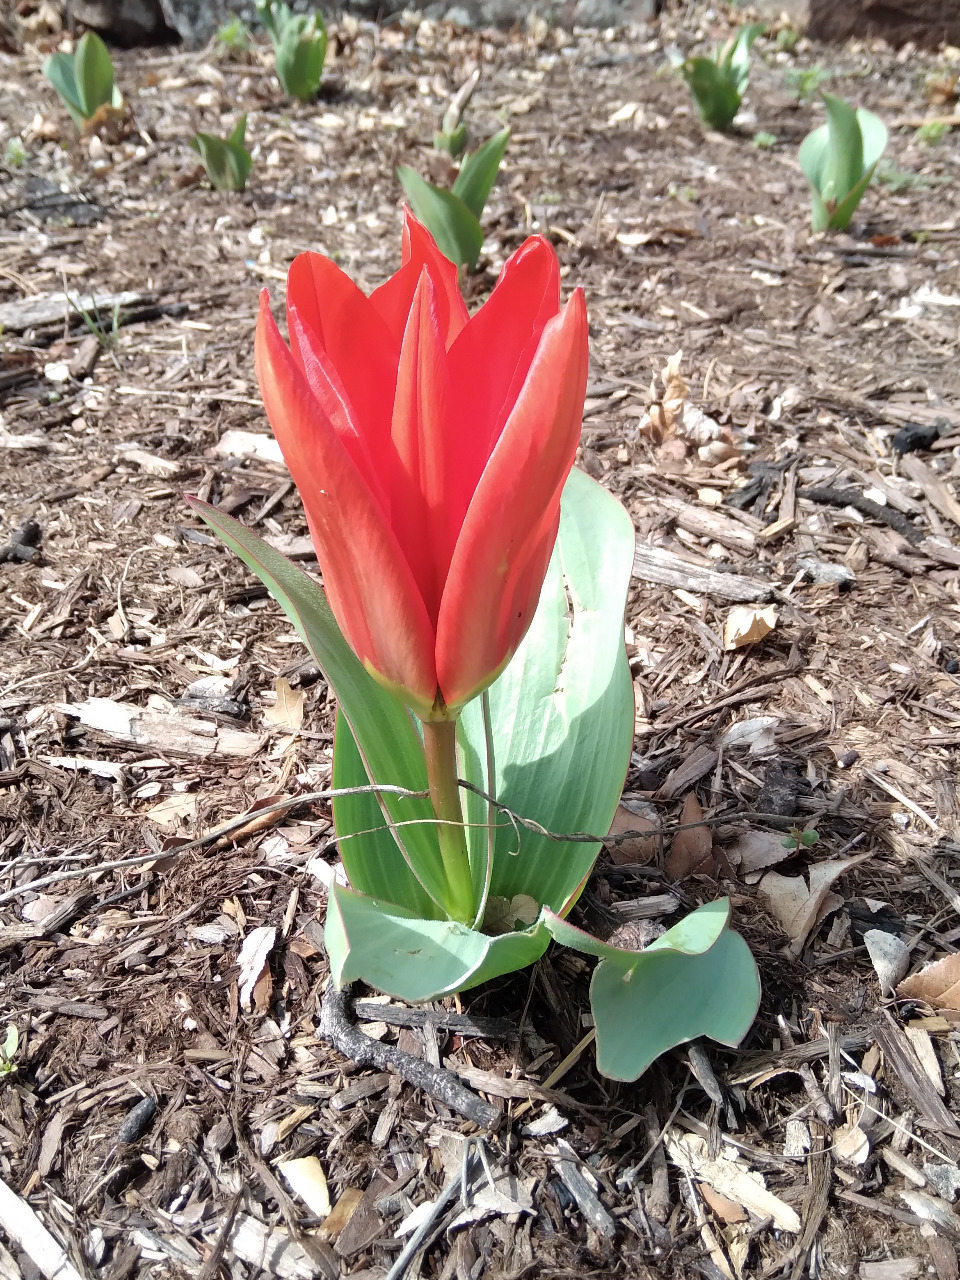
[84,80]
[453,217]
[839,160]
[226,160]
[300,44]
[718,83]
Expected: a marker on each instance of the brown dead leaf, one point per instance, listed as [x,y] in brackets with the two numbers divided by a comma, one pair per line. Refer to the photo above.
[756,850]
[665,414]
[799,906]
[938,984]
[287,713]
[746,625]
[690,854]
[638,848]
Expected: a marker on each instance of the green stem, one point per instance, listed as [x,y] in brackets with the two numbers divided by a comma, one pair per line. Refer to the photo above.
[440,749]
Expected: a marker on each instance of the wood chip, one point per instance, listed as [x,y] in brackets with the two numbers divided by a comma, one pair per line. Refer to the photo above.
[656,564]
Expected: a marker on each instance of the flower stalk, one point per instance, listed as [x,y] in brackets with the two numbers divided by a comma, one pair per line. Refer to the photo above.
[440,751]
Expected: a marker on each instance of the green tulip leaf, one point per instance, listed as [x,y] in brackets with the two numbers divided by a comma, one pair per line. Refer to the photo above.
[93,72]
[478,173]
[383,729]
[300,57]
[226,160]
[562,712]
[58,69]
[697,979]
[453,143]
[734,57]
[715,93]
[413,959]
[455,228]
[839,159]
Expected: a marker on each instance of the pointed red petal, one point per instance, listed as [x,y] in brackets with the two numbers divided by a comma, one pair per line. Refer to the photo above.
[394,298]
[423,443]
[369,584]
[335,317]
[490,360]
[510,528]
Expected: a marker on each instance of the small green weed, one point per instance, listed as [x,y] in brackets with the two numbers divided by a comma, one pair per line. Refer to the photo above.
[805,81]
[787,40]
[896,179]
[764,140]
[800,839]
[15,154]
[678,192]
[234,37]
[8,1051]
[932,133]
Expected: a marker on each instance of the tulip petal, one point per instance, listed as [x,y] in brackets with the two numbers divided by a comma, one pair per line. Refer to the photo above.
[368,582]
[490,360]
[394,298]
[507,537]
[424,444]
[335,317]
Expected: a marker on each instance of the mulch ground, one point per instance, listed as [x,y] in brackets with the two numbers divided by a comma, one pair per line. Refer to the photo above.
[161,1076]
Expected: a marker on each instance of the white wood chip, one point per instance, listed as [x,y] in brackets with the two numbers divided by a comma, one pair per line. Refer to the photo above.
[731,1178]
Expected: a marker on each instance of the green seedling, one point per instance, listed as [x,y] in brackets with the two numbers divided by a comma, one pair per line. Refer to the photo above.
[718,83]
[932,133]
[764,140]
[806,81]
[226,160]
[798,838]
[838,160]
[84,80]
[300,45]
[896,179]
[15,154]
[453,217]
[233,35]
[8,1051]
[787,39]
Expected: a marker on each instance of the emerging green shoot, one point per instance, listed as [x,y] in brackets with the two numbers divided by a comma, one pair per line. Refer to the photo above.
[838,160]
[764,140]
[932,133]
[300,44]
[452,137]
[15,154]
[226,160]
[84,80]
[453,217]
[718,83]
[799,838]
[107,336]
[787,39]
[8,1051]
[805,81]
[233,36]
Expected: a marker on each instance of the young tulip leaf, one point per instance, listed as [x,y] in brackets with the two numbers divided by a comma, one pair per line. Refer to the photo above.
[455,228]
[453,143]
[715,93]
[58,69]
[839,159]
[697,979]
[478,173]
[93,72]
[415,959]
[384,731]
[226,160]
[734,57]
[562,712]
[300,58]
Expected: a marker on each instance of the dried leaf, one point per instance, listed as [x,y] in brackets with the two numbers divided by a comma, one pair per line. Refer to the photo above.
[798,906]
[253,958]
[639,848]
[732,1179]
[174,810]
[690,854]
[937,983]
[287,713]
[755,850]
[890,956]
[747,625]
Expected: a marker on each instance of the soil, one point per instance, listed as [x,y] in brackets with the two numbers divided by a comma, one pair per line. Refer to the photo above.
[926,23]
[805,356]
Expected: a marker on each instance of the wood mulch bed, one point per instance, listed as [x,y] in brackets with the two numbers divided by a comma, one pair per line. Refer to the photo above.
[169,1063]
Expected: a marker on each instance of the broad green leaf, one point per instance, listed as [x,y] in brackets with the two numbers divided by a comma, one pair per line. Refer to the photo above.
[735,54]
[239,132]
[479,172]
[838,160]
[300,58]
[58,69]
[373,863]
[415,959]
[697,979]
[562,711]
[715,94]
[226,161]
[456,230]
[384,730]
[93,73]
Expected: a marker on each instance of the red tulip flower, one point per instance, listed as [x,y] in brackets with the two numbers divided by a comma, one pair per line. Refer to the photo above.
[430,449]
